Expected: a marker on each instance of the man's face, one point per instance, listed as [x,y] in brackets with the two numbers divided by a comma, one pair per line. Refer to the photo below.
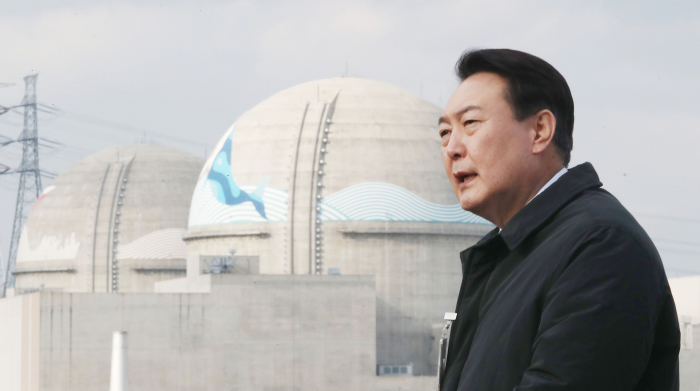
[484,149]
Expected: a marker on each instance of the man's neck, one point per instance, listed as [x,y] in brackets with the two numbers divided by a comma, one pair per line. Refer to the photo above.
[522,198]
[556,177]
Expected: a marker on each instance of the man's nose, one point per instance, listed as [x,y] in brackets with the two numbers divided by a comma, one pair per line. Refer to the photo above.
[456,149]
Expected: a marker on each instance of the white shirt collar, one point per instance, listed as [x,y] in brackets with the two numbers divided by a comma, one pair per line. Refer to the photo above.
[546,185]
[554,179]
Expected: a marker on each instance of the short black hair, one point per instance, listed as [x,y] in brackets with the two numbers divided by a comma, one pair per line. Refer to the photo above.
[533,85]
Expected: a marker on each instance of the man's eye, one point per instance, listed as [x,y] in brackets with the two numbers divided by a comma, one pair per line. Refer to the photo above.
[444,133]
[469,122]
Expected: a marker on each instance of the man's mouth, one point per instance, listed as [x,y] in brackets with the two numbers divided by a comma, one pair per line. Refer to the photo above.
[464,177]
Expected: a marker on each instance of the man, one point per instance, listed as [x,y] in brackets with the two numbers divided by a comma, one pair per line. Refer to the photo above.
[568,292]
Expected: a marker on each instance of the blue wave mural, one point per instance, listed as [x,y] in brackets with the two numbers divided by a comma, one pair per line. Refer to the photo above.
[225,188]
[217,199]
[385,202]
[208,210]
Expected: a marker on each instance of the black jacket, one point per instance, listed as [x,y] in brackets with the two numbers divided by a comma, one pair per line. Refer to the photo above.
[571,295]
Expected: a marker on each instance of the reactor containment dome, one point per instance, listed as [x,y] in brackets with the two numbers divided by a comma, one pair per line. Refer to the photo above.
[112,222]
[343,176]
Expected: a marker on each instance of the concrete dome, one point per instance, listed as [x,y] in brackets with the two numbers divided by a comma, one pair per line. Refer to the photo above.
[112,222]
[334,150]
[343,175]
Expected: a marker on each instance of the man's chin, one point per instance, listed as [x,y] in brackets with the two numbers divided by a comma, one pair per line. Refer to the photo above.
[469,205]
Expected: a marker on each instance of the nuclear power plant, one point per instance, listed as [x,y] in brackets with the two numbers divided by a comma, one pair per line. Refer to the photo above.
[317,248]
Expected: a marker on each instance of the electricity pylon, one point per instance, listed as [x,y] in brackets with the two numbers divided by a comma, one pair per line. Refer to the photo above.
[30,176]
[1,273]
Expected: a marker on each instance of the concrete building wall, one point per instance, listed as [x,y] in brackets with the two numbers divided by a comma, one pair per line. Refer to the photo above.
[418,274]
[19,345]
[406,383]
[251,332]
[689,359]
[686,294]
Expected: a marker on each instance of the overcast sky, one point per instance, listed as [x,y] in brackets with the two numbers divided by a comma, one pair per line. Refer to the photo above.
[179,73]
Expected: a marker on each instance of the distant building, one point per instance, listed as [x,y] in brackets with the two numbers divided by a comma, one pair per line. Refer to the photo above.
[112,222]
[686,294]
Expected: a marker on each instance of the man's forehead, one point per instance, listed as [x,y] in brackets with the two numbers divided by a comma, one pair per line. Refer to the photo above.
[474,93]
[460,112]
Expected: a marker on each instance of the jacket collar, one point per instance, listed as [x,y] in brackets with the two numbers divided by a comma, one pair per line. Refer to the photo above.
[543,206]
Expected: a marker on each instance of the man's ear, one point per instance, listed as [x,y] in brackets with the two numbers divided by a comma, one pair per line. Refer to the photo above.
[544,123]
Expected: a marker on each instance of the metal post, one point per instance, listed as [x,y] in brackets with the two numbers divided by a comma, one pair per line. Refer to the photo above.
[118,380]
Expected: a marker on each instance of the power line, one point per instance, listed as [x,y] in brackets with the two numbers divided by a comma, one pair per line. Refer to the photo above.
[110,138]
[688,252]
[123,127]
[140,132]
[82,87]
[673,269]
[681,242]
[670,218]
[4,109]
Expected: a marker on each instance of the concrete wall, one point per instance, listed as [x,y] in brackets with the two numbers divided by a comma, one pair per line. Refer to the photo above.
[689,360]
[686,294]
[405,383]
[417,269]
[251,332]
[418,278]
[19,343]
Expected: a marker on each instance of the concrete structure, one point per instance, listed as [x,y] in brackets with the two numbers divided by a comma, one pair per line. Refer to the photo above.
[686,294]
[111,222]
[344,176]
[19,345]
[245,332]
[251,332]
[346,233]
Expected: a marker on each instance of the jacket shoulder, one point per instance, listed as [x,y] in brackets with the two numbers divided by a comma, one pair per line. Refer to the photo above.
[598,209]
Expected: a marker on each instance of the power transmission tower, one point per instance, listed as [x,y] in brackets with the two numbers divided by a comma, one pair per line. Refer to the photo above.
[1,273]
[30,176]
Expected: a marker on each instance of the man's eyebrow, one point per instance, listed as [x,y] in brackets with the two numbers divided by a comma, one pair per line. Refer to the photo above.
[460,113]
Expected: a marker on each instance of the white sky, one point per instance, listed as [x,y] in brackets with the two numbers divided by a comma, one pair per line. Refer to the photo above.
[185,70]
